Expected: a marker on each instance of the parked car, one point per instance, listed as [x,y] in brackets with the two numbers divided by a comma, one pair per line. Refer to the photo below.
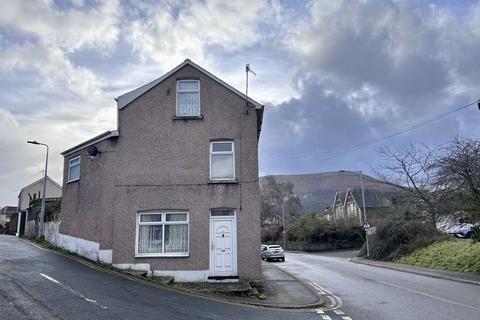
[462,231]
[273,252]
[263,247]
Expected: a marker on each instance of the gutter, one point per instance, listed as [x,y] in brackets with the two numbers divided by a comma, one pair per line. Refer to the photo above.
[103,136]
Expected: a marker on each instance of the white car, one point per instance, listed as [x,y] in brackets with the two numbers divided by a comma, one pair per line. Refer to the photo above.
[273,252]
[462,231]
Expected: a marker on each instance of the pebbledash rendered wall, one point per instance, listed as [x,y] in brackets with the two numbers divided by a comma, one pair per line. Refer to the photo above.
[162,163]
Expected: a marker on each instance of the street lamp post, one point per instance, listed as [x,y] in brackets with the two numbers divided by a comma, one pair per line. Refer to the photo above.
[364,208]
[364,211]
[284,231]
[40,233]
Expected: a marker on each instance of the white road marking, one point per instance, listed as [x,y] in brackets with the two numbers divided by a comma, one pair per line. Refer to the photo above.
[49,278]
[325,317]
[429,295]
[346,318]
[74,292]
[336,302]
[338,311]
[320,311]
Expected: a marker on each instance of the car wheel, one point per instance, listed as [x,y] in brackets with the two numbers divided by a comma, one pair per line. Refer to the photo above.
[268,260]
[282,259]
[468,235]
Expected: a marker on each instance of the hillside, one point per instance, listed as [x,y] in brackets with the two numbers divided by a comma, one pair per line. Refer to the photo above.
[317,190]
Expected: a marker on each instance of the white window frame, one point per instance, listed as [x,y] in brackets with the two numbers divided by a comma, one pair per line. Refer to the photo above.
[189,91]
[222,152]
[164,222]
[70,166]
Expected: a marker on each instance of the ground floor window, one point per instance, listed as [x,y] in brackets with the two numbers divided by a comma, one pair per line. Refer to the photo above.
[162,234]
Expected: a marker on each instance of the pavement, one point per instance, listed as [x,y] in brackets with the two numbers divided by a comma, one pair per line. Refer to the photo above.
[366,292]
[283,290]
[38,284]
[463,277]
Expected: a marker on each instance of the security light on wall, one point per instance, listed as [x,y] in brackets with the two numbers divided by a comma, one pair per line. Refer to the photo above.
[92,152]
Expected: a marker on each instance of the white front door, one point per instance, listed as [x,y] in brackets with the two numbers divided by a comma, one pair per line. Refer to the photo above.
[223,246]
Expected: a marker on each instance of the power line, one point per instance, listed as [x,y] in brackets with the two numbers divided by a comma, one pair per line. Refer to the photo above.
[385,137]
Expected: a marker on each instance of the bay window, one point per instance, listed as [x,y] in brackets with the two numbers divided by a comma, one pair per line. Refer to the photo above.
[162,234]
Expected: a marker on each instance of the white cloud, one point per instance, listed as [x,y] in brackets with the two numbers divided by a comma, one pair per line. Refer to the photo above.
[388,57]
[69,29]
[54,100]
[56,70]
[167,33]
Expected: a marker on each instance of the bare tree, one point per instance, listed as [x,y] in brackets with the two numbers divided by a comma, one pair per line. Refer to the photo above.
[459,176]
[274,195]
[413,169]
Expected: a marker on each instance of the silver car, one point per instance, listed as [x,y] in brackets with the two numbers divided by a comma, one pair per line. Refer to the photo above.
[273,252]
[263,249]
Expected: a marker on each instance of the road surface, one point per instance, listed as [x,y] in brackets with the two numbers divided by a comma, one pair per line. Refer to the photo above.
[37,284]
[372,293]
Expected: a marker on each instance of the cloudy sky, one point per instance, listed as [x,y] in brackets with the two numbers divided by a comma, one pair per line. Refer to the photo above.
[334,75]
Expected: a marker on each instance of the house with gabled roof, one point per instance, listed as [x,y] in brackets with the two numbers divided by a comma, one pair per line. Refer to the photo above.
[27,222]
[346,206]
[173,190]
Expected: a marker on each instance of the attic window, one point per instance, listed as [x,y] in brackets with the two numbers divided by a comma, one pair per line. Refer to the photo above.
[188,98]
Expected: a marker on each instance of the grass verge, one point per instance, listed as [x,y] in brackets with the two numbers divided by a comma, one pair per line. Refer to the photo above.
[453,255]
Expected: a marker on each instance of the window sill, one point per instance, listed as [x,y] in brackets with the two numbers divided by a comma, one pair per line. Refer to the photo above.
[71,181]
[234,181]
[200,117]
[162,255]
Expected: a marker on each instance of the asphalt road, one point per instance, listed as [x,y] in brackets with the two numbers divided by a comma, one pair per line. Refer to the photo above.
[37,284]
[367,292]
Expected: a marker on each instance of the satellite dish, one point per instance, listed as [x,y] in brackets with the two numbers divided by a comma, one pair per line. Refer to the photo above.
[92,151]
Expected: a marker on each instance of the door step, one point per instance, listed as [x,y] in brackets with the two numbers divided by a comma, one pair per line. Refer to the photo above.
[223,279]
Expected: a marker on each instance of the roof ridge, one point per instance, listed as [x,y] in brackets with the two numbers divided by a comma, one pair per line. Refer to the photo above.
[128,97]
[39,180]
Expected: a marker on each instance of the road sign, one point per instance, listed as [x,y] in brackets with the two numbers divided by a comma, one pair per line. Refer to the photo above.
[371,231]
[366,225]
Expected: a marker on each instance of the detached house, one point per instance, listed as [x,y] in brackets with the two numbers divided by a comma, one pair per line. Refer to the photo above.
[174,190]
[346,207]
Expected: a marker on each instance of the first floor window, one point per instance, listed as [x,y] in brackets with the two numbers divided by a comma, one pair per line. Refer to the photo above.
[162,233]
[74,169]
[222,160]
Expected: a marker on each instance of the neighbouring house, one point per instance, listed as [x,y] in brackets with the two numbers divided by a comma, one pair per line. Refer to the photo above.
[174,189]
[8,216]
[346,206]
[27,223]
